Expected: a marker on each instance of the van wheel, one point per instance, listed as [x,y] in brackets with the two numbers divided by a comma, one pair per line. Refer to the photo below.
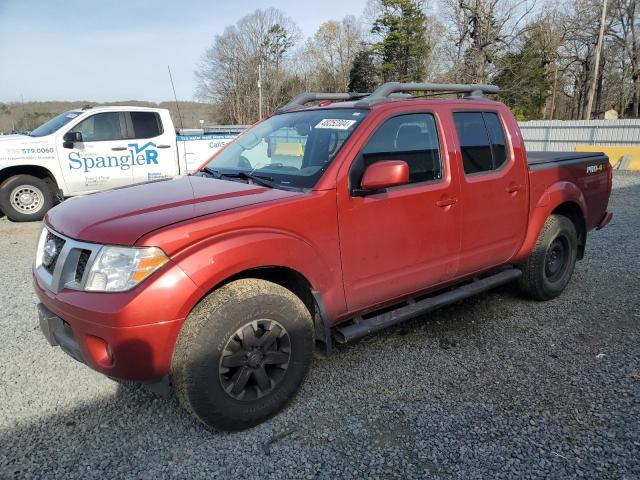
[24,198]
[242,354]
[548,269]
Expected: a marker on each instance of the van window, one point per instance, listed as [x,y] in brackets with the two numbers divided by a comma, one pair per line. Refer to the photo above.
[482,141]
[412,138]
[146,124]
[101,127]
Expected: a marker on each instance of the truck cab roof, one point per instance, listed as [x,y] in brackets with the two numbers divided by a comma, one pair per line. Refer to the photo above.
[118,108]
[389,94]
[391,102]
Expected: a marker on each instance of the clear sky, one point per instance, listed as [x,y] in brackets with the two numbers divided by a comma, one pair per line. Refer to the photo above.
[106,50]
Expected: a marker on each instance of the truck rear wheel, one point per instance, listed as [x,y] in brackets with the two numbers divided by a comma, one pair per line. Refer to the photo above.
[549,268]
[25,198]
[242,354]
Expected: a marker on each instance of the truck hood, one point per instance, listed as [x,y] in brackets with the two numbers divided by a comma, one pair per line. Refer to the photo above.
[13,137]
[121,216]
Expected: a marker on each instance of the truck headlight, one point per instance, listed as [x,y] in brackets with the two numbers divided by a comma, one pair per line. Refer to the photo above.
[117,269]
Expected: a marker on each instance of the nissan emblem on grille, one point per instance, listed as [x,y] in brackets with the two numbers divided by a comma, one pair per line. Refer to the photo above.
[50,252]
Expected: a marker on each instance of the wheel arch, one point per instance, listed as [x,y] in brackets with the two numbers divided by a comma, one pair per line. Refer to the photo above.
[33,170]
[573,212]
[561,198]
[299,285]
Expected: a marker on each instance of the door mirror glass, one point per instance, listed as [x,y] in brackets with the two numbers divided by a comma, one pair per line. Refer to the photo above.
[385,174]
[70,138]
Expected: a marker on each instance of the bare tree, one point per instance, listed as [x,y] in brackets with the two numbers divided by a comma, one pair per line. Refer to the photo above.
[228,71]
[625,30]
[331,52]
[480,31]
[470,41]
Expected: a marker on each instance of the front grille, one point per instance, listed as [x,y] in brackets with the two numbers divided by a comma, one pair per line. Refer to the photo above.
[82,264]
[62,262]
[53,244]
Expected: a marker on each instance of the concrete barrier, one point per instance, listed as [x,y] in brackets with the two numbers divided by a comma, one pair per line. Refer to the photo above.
[621,157]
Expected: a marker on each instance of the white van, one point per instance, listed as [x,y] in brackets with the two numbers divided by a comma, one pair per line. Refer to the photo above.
[93,149]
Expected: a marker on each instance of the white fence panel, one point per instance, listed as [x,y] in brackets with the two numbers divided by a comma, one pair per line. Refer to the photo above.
[557,135]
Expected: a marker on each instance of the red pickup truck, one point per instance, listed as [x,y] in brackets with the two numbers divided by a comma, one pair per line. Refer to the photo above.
[319,224]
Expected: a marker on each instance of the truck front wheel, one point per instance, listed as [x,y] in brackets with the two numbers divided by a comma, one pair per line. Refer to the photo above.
[25,198]
[550,266]
[242,354]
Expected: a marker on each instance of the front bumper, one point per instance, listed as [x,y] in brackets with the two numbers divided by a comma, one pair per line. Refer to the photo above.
[58,333]
[140,353]
[129,335]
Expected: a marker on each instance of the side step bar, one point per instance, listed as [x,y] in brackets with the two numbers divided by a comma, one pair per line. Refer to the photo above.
[358,329]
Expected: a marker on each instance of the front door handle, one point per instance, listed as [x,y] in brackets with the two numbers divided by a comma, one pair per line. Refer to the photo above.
[118,149]
[163,146]
[513,188]
[446,202]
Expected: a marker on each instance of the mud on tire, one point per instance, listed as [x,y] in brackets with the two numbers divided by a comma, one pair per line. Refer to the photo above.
[242,354]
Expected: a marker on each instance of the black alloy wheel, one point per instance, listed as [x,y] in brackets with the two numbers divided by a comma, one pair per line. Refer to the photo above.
[255,360]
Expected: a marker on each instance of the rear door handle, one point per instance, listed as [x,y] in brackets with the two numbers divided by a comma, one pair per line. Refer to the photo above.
[118,149]
[513,188]
[163,146]
[446,202]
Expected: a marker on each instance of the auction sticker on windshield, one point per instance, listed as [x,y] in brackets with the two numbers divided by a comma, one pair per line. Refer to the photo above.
[335,123]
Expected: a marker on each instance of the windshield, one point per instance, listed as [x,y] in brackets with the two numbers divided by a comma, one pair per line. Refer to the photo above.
[291,149]
[55,123]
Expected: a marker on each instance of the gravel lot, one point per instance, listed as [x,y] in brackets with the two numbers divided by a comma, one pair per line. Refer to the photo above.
[493,387]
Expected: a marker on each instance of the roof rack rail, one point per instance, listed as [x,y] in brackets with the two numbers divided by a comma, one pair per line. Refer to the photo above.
[304,98]
[391,89]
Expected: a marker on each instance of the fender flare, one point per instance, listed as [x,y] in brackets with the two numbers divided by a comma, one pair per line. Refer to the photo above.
[213,261]
[557,194]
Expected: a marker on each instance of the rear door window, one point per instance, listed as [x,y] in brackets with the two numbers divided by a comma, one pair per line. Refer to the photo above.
[496,135]
[482,141]
[146,124]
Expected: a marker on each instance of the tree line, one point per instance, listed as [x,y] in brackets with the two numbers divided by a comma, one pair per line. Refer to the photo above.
[26,116]
[542,55]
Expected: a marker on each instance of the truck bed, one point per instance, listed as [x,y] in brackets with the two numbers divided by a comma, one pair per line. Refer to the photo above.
[542,158]
[588,171]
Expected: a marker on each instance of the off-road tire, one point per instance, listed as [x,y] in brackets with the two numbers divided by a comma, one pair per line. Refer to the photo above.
[197,372]
[538,280]
[35,188]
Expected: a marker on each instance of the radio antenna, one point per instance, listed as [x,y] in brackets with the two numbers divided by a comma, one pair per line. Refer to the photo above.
[176,98]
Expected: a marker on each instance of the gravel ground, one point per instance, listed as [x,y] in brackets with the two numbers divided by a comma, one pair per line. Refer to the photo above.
[492,387]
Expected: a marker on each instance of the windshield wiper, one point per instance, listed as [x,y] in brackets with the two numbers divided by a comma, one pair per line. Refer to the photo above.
[258,179]
[213,173]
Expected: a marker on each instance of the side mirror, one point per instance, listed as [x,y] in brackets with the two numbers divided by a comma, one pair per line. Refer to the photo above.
[384,174]
[70,138]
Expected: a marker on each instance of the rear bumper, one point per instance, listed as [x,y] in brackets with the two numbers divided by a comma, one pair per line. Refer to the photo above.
[605,220]
[141,351]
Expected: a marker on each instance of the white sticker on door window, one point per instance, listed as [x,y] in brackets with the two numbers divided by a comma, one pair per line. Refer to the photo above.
[335,123]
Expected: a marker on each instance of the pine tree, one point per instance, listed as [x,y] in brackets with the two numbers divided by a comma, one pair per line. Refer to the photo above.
[362,77]
[523,78]
[403,49]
